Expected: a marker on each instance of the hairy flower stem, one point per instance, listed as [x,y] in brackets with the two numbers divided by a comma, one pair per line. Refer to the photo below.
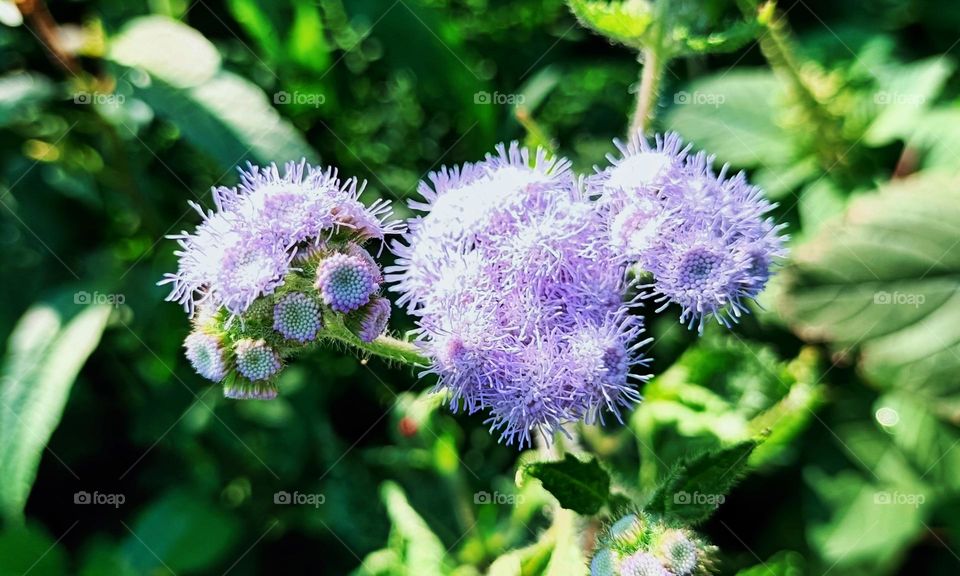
[654,65]
[385,347]
[777,47]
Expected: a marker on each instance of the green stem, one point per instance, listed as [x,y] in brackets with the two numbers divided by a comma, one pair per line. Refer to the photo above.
[386,347]
[653,68]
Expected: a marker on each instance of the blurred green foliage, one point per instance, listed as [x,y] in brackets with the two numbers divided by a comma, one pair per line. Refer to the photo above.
[825,424]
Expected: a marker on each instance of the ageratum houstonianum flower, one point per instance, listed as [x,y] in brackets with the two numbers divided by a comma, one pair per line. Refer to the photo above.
[517,294]
[243,249]
[705,237]
[261,271]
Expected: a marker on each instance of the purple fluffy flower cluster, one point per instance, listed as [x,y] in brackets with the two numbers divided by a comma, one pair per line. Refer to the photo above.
[244,249]
[518,296]
[705,237]
[263,273]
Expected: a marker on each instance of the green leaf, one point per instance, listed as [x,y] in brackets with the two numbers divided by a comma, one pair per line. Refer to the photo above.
[868,525]
[221,114]
[27,550]
[735,116]
[180,532]
[697,487]
[583,487]
[625,22]
[45,352]
[885,277]
[421,549]
[167,49]
[937,134]
[904,94]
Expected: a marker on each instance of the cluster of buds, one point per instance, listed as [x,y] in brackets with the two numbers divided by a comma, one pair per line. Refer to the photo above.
[643,545]
[333,288]
[278,267]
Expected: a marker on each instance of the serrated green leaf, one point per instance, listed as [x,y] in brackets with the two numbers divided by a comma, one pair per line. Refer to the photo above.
[583,487]
[696,487]
[886,277]
[45,352]
[625,22]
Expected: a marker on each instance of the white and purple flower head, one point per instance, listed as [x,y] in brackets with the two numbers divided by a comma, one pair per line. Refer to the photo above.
[243,249]
[250,258]
[707,238]
[517,295]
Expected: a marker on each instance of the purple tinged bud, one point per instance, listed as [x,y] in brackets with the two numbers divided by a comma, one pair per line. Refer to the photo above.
[206,355]
[255,360]
[371,320]
[642,564]
[240,389]
[345,282]
[297,317]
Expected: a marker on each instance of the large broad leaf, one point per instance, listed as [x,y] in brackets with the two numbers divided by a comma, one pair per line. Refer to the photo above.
[167,49]
[885,277]
[583,487]
[220,113]
[868,525]
[46,350]
[625,21]
[734,115]
[696,488]
[180,533]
